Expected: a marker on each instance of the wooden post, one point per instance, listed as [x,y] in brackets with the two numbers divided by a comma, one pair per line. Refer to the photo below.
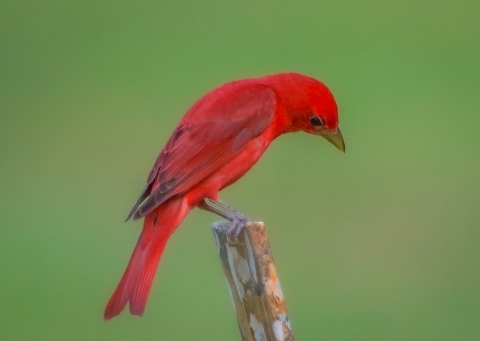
[255,288]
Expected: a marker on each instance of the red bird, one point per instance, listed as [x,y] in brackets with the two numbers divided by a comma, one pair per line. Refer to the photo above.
[218,140]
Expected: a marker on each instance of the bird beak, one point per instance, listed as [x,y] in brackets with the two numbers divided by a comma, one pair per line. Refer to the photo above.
[335,137]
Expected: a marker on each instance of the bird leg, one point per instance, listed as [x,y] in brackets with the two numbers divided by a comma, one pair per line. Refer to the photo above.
[237,219]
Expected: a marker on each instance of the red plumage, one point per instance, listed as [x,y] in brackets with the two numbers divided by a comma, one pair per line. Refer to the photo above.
[218,140]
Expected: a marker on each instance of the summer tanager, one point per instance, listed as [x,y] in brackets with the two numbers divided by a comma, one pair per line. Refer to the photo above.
[217,141]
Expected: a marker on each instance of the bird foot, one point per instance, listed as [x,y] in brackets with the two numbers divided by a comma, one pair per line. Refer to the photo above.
[235,228]
[236,219]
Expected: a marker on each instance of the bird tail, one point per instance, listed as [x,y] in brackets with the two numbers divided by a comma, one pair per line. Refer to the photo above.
[135,285]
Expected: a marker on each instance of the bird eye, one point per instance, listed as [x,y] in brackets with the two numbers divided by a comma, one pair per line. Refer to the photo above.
[316,121]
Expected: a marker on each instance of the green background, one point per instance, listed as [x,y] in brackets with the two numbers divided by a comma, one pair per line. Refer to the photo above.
[380,243]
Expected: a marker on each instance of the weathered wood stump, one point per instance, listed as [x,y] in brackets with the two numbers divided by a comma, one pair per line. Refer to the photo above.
[255,288]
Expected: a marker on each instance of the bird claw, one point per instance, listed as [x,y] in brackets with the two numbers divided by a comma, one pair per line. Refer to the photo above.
[235,228]
[236,219]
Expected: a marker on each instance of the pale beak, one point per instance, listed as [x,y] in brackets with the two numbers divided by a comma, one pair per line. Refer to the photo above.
[334,137]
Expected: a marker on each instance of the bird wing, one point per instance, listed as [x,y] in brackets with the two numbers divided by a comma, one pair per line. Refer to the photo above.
[212,133]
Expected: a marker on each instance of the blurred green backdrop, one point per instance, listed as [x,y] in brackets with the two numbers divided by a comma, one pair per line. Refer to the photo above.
[381,243]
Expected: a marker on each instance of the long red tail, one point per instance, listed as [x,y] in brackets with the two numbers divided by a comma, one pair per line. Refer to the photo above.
[137,280]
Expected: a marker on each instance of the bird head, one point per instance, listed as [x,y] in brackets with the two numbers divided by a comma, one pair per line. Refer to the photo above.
[309,106]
